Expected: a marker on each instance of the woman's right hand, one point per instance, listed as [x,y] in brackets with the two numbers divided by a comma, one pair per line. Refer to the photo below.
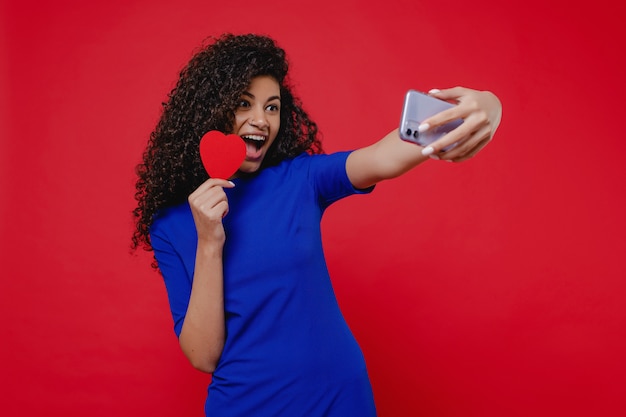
[202,335]
[209,205]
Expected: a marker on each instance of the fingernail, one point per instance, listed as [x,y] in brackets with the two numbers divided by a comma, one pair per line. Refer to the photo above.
[434,91]
[434,157]
[428,150]
[423,127]
[231,183]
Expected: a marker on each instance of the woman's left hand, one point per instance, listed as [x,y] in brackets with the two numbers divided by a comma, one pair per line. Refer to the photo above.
[481,112]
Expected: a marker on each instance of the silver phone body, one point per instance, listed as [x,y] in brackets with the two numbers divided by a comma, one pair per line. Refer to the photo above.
[418,107]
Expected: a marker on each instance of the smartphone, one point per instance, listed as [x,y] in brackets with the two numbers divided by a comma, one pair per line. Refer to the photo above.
[418,107]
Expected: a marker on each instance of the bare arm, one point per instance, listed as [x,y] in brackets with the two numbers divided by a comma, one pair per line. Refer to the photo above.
[202,334]
[388,158]
[391,157]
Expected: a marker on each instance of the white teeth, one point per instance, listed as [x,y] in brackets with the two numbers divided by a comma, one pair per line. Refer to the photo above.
[255,137]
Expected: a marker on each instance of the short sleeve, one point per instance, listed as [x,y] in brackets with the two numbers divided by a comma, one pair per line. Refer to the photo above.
[174,268]
[330,178]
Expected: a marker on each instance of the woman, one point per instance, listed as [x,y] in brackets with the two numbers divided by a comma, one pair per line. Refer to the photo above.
[242,260]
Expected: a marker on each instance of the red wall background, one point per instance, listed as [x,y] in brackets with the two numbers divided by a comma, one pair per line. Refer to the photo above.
[493,287]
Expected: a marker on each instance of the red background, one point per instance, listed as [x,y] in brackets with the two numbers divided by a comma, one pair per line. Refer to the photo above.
[493,287]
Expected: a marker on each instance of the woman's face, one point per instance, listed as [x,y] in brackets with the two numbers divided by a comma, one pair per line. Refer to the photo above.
[257,120]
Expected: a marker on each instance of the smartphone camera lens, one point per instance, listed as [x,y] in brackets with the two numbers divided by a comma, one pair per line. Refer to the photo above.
[408,132]
[416,134]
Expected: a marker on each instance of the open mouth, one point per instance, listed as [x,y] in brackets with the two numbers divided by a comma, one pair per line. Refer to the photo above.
[256,140]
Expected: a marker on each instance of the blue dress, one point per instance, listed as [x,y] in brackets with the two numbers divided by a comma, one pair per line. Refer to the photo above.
[288,350]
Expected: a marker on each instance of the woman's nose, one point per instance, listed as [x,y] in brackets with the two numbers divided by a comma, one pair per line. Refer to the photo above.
[258,119]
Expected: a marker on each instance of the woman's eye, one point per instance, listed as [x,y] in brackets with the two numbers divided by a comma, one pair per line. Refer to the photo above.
[273,107]
[244,103]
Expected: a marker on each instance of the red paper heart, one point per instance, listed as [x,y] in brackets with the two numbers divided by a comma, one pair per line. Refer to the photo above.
[221,154]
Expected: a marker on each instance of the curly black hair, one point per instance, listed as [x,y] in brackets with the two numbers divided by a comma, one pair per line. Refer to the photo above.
[205,98]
